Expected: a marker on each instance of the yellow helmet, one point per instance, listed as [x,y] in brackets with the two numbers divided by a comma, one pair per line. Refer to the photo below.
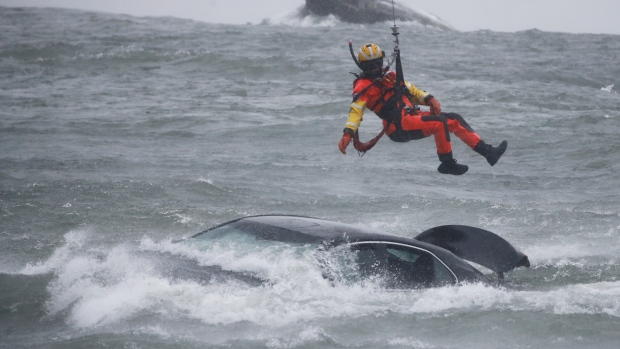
[369,52]
[370,59]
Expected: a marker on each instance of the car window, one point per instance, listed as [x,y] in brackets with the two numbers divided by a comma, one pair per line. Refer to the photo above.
[409,267]
[368,259]
[398,266]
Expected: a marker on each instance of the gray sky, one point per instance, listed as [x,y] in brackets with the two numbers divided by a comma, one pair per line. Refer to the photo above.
[572,16]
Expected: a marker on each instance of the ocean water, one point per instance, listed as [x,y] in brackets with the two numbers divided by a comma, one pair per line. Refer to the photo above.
[121,134]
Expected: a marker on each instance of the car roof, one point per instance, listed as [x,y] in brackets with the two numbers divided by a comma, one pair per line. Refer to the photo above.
[334,233]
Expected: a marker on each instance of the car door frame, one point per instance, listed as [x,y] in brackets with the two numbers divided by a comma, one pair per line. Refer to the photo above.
[382,251]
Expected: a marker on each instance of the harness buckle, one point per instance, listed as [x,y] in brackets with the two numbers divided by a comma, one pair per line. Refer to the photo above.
[412,110]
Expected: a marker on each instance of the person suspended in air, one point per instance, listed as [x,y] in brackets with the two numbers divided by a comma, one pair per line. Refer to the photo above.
[396,102]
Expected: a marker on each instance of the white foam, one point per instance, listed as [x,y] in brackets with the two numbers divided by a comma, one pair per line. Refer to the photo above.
[99,290]
[568,249]
[205,180]
[74,241]
[180,218]
[607,88]
[553,252]
[596,298]
[307,334]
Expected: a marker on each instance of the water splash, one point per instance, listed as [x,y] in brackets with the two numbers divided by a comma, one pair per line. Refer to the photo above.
[607,88]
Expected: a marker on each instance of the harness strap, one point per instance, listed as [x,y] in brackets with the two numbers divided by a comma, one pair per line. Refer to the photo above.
[362,148]
[440,119]
[361,93]
[391,109]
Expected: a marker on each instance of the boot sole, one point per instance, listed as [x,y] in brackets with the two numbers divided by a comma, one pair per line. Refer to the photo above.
[461,170]
[500,151]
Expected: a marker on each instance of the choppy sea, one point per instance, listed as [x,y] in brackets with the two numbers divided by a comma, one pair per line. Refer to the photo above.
[120,133]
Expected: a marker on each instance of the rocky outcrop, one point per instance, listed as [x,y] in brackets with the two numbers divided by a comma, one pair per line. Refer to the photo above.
[371,11]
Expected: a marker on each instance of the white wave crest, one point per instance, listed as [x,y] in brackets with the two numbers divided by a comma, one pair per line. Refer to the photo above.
[97,288]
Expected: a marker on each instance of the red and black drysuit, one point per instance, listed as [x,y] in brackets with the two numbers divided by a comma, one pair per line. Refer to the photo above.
[403,122]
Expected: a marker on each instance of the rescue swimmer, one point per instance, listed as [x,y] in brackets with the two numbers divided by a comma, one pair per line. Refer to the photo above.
[396,102]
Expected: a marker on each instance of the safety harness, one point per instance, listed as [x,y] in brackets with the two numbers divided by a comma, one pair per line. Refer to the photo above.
[391,109]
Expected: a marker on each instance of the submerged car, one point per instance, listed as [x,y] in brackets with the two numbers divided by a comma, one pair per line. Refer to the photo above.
[434,258]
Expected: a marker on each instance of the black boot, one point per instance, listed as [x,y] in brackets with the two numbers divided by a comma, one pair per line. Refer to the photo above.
[449,165]
[491,154]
